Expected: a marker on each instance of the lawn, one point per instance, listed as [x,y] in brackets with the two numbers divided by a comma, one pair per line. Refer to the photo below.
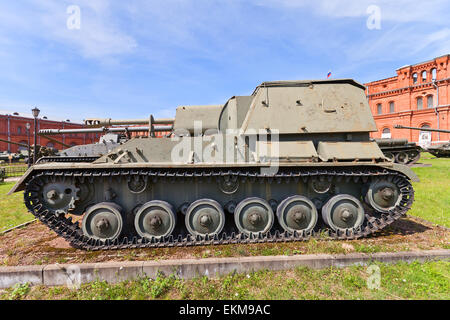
[432,193]
[428,280]
[12,208]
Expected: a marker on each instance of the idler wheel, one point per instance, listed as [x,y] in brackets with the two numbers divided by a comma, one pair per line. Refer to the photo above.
[204,217]
[103,221]
[155,219]
[253,215]
[297,213]
[383,195]
[343,212]
[402,157]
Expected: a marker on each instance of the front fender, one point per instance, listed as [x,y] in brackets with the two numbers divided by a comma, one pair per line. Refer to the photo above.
[406,171]
[20,185]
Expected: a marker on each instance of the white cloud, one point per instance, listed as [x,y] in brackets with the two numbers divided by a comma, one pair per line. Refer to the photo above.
[99,36]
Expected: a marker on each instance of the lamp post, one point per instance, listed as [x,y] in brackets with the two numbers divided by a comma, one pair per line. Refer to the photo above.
[35,111]
[28,148]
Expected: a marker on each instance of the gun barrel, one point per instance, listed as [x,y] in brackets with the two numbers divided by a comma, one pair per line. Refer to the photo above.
[56,141]
[104,130]
[110,122]
[397,126]
[16,143]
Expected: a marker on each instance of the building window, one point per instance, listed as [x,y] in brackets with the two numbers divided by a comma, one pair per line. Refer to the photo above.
[430,101]
[391,107]
[433,74]
[414,77]
[386,134]
[72,144]
[424,76]
[379,109]
[19,130]
[419,103]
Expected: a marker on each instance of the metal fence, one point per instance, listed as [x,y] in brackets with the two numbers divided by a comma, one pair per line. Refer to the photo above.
[14,171]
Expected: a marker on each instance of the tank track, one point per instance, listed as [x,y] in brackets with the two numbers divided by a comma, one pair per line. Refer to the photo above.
[67,159]
[72,233]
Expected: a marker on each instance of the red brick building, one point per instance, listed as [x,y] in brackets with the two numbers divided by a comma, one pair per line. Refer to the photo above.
[13,128]
[418,96]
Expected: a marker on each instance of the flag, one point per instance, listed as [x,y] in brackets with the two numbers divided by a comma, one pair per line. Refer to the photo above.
[328,74]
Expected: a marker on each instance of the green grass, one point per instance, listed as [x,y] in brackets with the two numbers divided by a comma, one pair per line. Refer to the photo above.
[12,208]
[14,170]
[432,193]
[428,280]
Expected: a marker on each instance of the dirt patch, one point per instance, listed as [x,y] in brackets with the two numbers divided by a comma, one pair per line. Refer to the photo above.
[35,244]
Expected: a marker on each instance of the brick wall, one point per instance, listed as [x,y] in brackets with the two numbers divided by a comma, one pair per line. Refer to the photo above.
[405,91]
[13,128]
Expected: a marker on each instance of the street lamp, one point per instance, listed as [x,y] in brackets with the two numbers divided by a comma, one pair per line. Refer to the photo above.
[28,148]
[35,115]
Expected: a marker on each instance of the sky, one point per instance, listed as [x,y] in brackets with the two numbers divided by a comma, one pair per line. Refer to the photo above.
[128,59]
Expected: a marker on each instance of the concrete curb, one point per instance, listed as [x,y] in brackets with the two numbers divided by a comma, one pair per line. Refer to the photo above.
[67,274]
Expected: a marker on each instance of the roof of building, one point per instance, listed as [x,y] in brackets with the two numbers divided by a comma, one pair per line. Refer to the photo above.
[30,116]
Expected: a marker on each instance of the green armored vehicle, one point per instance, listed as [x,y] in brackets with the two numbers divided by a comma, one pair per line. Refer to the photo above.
[400,150]
[7,157]
[289,162]
[441,150]
[110,139]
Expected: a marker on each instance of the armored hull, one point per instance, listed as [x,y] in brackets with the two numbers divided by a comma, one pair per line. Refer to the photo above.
[438,150]
[400,150]
[290,162]
[441,150]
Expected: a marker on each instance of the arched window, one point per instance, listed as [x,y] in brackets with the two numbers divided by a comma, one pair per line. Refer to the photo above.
[430,101]
[433,74]
[424,76]
[386,134]
[419,103]
[379,108]
[50,145]
[414,77]
[391,107]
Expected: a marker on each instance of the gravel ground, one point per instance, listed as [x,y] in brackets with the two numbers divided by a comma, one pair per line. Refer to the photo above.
[35,244]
